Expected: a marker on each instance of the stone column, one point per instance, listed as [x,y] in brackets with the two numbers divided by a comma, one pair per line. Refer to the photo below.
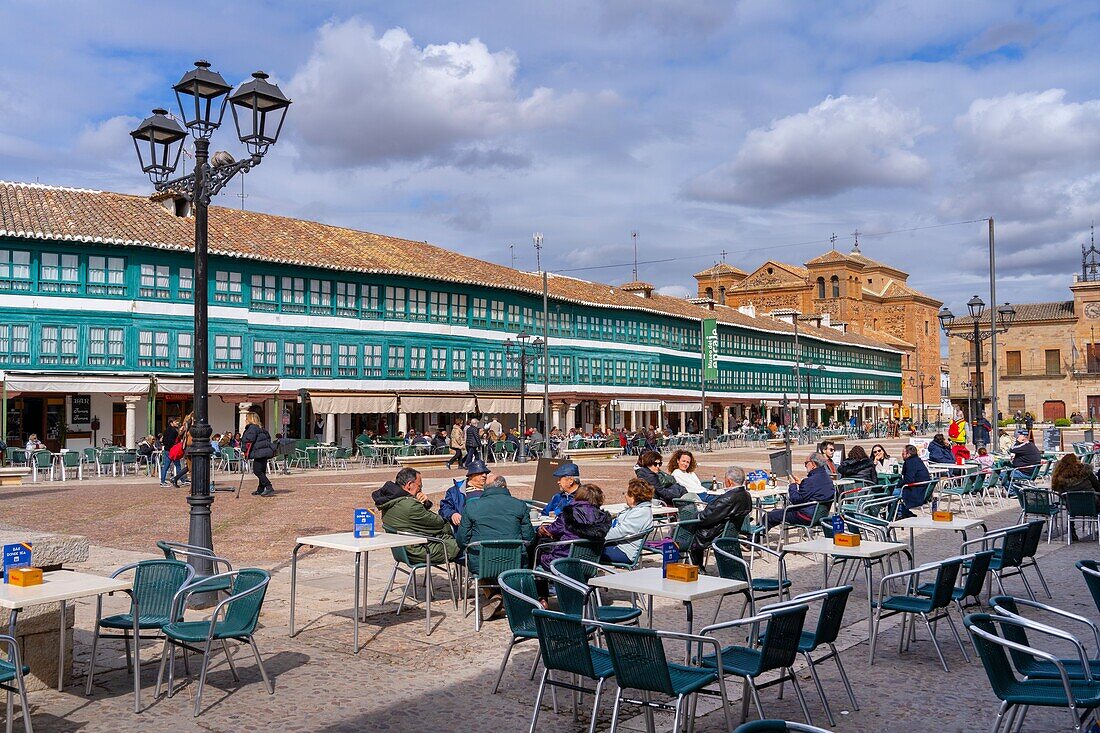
[402,423]
[571,416]
[131,421]
[683,421]
[633,420]
[330,427]
[555,416]
[725,418]
[603,416]
[242,413]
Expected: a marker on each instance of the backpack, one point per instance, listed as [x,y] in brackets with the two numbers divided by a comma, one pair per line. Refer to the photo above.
[953,431]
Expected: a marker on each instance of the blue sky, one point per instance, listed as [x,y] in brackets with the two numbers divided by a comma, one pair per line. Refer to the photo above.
[758,127]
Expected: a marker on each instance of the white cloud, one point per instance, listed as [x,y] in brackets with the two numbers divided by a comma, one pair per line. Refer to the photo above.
[365,99]
[1025,132]
[675,291]
[842,143]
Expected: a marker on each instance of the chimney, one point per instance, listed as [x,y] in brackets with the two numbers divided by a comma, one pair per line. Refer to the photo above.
[641,289]
[748,309]
[786,315]
[826,320]
[173,202]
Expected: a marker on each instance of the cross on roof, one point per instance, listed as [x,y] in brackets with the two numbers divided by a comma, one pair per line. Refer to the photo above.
[832,241]
[855,247]
[723,253]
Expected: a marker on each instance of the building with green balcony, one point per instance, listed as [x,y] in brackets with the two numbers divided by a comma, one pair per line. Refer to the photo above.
[333,330]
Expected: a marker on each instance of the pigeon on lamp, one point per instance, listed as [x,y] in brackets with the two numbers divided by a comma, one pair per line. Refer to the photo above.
[221,158]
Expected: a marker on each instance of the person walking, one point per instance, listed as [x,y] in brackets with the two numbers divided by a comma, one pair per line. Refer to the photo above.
[168,441]
[458,442]
[256,444]
[473,442]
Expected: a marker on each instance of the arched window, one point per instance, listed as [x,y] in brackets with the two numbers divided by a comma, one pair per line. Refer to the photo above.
[821,287]
[710,293]
[835,281]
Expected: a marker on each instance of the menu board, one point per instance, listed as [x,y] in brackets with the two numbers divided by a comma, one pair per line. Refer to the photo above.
[81,413]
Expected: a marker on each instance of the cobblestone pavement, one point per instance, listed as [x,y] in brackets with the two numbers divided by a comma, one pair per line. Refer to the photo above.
[403,680]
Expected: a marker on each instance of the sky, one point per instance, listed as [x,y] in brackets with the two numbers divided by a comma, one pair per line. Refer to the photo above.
[753,128]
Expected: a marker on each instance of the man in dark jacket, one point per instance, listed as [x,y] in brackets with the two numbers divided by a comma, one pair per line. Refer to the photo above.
[473,442]
[732,506]
[816,487]
[1026,457]
[405,508]
[495,515]
[454,501]
[914,481]
[569,479]
[256,446]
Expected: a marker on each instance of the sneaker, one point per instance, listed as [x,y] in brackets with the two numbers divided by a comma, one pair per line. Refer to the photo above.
[268,492]
[164,484]
[185,482]
[257,492]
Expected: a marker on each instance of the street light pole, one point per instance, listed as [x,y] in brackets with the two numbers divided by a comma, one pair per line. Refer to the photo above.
[1006,314]
[259,109]
[522,358]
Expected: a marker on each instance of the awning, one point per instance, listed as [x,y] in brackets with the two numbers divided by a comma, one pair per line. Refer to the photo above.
[439,403]
[683,407]
[639,405]
[508,405]
[108,383]
[219,386]
[352,403]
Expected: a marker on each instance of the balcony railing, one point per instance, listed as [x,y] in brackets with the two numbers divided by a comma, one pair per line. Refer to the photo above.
[495,383]
[1031,374]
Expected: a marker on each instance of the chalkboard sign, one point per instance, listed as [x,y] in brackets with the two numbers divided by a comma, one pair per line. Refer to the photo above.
[545,483]
[1052,439]
[781,463]
[81,410]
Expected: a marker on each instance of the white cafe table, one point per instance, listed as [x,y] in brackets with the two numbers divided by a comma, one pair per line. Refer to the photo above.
[925,521]
[866,552]
[361,546]
[60,586]
[650,582]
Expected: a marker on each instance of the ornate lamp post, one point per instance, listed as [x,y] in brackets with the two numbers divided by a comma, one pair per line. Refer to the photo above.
[1006,314]
[523,351]
[259,108]
[921,380]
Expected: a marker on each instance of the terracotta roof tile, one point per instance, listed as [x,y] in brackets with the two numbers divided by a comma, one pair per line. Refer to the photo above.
[32,211]
[720,268]
[1053,311]
[829,257]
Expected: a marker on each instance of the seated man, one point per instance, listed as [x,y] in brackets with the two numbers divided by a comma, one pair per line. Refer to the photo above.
[914,481]
[816,486]
[405,508]
[569,479]
[454,501]
[734,505]
[1026,457]
[495,515]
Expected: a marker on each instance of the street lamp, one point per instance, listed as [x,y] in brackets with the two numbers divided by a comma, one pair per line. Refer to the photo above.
[920,381]
[523,351]
[976,306]
[259,108]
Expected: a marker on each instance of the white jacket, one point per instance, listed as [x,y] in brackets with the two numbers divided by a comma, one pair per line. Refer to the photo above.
[689,481]
[633,520]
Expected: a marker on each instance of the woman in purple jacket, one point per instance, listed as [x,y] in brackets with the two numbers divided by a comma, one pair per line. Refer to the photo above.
[581,520]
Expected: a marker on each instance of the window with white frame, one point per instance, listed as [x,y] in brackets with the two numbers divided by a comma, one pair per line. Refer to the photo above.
[321,363]
[372,360]
[478,362]
[186,283]
[370,300]
[105,346]
[480,313]
[418,304]
[106,275]
[395,361]
[294,294]
[347,299]
[496,313]
[294,358]
[439,363]
[496,364]
[155,281]
[458,308]
[320,296]
[395,302]
[437,306]
[153,349]
[59,273]
[418,356]
[265,357]
[264,293]
[514,322]
[347,364]
[15,269]
[15,344]
[227,287]
[583,375]
[184,355]
[227,352]
[458,363]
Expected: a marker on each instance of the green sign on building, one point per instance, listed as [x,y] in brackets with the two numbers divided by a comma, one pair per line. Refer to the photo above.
[710,350]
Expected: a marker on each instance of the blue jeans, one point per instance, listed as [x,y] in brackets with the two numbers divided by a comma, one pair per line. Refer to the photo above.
[164,463]
[614,554]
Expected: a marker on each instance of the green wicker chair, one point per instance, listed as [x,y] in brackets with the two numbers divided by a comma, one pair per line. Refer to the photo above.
[156,583]
[575,596]
[519,596]
[12,672]
[1081,508]
[404,564]
[564,647]
[41,460]
[639,661]
[1042,503]
[1080,668]
[777,650]
[1091,570]
[485,561]
[732,565]
[777,726]
[71,461]
[234,618]
[1016,694]
[977,570]
[200,556]
[929,607]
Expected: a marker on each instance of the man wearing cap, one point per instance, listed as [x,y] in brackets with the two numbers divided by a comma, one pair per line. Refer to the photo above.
[569,478]
[454,501]
[405,508]
[495,515]
[1026,457]
[816,487]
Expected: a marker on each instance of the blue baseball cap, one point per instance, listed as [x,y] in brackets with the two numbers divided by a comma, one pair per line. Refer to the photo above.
[567,469]
[475,468]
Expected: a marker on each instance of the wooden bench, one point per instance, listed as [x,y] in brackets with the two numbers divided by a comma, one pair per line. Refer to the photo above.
[13,476]
[581,453]
[429,459]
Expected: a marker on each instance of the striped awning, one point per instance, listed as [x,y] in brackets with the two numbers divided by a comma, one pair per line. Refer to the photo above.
[438,403]
[352,403]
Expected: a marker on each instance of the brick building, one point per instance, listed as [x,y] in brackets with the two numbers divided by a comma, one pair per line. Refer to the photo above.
[853,293]
[1048,362]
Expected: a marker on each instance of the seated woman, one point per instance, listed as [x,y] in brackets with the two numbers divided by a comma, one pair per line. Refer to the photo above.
[33,443]
[884,462]
[665,487]
[581,520]
[637,518]
[857,465]
[682,467]
[1070,474]
[939,451]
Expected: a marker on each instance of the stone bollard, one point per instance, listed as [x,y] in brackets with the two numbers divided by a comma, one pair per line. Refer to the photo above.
[38,627]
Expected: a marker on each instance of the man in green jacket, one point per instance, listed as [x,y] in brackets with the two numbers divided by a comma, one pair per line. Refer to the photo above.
[405,508]
[495,515]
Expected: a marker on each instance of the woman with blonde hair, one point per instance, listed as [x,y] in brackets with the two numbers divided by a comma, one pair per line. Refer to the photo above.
[635,519]
[256,444]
